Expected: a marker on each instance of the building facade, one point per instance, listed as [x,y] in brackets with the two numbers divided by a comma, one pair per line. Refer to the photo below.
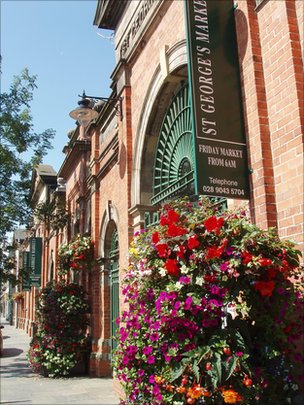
[120,168]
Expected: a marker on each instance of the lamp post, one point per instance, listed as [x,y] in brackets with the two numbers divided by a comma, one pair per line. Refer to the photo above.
[84,114]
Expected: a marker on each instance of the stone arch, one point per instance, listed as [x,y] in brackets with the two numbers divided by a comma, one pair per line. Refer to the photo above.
[165,82]
[110,217]
[108,230]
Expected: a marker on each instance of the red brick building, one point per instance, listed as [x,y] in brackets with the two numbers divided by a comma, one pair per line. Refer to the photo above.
[116,169]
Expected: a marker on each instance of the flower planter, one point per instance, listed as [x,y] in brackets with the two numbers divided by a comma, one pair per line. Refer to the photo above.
[202,289]
[60,336]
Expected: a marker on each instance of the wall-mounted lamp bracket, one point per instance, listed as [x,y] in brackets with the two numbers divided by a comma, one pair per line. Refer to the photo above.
[84,114]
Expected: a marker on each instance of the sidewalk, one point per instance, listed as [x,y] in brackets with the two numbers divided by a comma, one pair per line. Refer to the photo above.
[19,385]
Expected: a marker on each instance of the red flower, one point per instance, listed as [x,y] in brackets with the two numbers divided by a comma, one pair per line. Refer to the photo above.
[163,220]
[246,257]
[265,262]
[213,252]
[80,257]
[173,216]
[170,218]
[193,242]
[209,278]
[213,224]
[172,267]
[247,381]
[174,230]
[155,237]
[265,288]
[162,249]
[271,273]
[181,252]
[220,222]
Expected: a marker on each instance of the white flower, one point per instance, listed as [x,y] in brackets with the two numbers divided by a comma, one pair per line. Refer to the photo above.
[162,272]
[184,269]
[199,281]
[178,285]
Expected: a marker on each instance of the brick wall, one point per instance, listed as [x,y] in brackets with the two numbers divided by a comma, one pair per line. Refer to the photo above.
[272,76]
[169,30]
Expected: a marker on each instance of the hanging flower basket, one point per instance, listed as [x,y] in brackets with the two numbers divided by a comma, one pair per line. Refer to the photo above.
[60,341]
[18,296]
[212,316]
[78,255]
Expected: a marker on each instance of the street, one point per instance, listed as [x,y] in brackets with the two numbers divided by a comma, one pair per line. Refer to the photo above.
[19,385]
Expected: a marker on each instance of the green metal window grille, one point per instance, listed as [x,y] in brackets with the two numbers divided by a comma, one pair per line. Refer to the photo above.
[174,159]
[114,285]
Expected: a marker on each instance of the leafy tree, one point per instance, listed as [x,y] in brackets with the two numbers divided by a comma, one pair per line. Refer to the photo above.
[21,150]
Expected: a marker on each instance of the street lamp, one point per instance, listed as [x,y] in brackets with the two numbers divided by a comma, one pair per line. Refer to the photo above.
[84,114]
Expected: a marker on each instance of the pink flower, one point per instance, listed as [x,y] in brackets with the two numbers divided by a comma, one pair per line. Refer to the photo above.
[188,303]
[147,350]
[150,359]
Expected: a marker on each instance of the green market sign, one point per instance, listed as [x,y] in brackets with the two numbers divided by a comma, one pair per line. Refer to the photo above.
[221,167]
[35,261]
[26,286]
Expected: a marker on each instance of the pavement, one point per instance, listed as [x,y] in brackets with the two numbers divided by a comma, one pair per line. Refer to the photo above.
[19,385]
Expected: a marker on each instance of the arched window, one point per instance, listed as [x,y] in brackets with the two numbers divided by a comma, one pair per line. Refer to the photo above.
[174,158]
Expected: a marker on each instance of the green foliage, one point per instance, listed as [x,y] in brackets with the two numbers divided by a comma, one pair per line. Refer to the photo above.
[54,216]
[8,265]
[17,137]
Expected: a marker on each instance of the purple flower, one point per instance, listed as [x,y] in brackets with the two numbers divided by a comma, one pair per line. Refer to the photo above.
[163,296]
[123,334]
[229,251]
[184,280]
[224,266]
[131,350]
[167,358]
[177,305]
[215,290]
[159,397]
[154,337]
[147,350]
[152,379]
[215,303]
[155,325]
[150,359]
[141,373]
[188,303]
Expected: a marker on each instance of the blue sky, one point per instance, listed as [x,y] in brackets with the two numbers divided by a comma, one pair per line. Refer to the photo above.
[56,41]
